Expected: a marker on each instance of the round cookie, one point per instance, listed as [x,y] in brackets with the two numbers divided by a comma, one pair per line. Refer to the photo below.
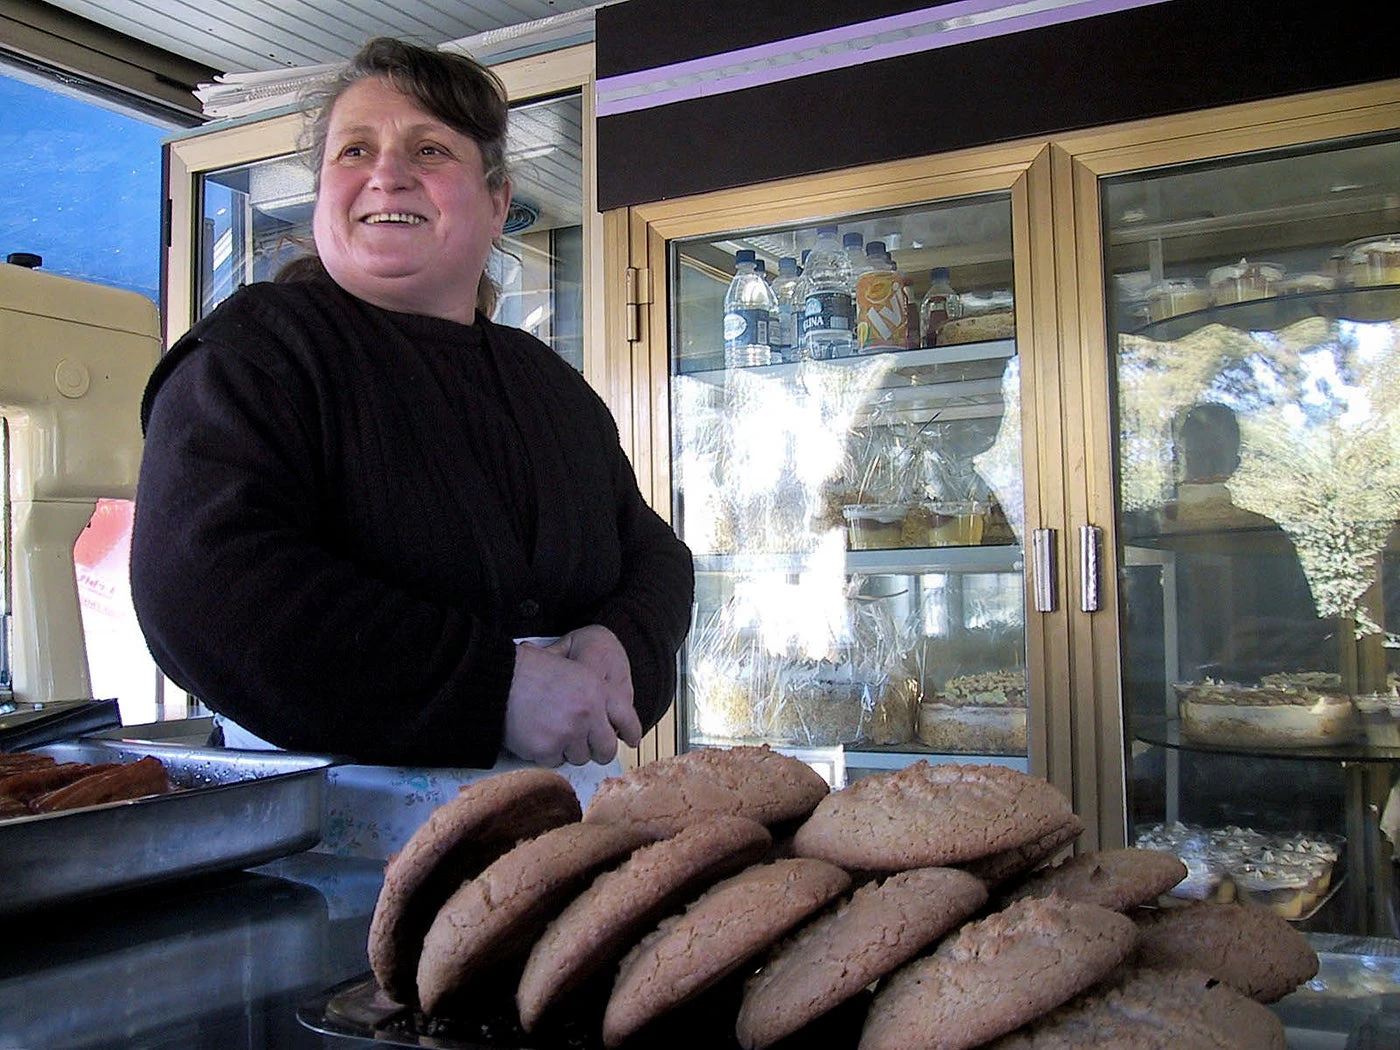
[1117,879]
[599,925]
[729,924]
[1245,945]
[456,843]
[997,974]
[666,795]
[881,927]
[925,816]
[1002,867]
[1155,1010]
[498,914]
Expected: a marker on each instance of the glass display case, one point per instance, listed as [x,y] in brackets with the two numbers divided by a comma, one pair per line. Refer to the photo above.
[1254,318]
[854,503]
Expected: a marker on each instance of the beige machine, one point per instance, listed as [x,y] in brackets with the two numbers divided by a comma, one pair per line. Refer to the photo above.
[74,359]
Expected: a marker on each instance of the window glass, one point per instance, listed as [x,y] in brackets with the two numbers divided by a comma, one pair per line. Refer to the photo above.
[83,192]
[82,183]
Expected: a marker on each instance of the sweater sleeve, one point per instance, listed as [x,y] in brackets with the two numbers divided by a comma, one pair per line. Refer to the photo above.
[650,610]
[246,601]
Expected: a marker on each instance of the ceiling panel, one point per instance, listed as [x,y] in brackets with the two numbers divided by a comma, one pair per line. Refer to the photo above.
[258,35]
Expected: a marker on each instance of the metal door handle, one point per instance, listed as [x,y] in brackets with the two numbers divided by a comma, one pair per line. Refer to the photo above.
[1043,569]
[1090,544]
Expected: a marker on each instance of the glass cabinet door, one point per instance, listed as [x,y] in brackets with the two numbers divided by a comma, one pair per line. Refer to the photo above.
[1253,306]
[253,218]
[854,503]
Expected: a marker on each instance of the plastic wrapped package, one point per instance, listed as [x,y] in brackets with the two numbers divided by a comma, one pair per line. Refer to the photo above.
[731,677]
[860,689]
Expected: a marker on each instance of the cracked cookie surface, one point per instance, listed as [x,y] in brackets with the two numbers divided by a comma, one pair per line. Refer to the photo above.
[726,926]
[498,914]
[599,925]
[997,974]
[1117,879]
[457,841]
[1155,1010]
[666,795]
[931,816]
[1245,945]
[823,964]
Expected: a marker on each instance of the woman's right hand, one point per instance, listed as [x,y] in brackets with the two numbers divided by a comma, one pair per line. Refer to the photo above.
[557,710]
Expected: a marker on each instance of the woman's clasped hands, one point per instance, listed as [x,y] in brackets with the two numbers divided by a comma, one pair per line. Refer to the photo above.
[571,701]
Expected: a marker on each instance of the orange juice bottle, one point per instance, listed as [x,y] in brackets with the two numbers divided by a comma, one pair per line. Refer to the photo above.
[882,316]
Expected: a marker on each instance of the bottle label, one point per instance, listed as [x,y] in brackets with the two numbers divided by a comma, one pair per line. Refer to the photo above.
[827,311]
[881,317]
[784,336]
[745,328]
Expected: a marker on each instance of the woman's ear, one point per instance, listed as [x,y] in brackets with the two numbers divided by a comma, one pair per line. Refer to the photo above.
[500,208]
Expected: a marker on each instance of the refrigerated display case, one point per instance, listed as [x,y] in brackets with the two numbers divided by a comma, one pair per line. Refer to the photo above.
[857,521]
[1250,320]
[860,522]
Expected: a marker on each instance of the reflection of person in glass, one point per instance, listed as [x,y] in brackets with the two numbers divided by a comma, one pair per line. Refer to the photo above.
[359,496]
[1247,609]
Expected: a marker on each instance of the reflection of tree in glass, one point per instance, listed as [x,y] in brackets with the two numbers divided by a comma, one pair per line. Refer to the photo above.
[1326,465]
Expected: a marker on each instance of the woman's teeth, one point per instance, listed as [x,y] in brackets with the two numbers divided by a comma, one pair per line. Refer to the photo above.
[395,216]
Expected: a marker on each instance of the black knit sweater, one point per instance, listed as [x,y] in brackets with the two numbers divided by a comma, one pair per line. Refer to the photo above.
[345,514]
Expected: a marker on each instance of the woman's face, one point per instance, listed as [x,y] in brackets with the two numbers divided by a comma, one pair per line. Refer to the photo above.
[403,217]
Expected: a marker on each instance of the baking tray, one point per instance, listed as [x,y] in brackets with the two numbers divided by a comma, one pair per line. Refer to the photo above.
[25,724]
[357,1010]
[236,809]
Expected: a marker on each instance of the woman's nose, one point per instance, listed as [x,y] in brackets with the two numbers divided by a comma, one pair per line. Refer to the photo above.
[392,169]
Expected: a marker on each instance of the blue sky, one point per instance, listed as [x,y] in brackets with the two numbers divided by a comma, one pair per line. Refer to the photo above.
[81,187]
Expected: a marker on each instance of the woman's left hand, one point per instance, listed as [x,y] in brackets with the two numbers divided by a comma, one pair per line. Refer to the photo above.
[598,649]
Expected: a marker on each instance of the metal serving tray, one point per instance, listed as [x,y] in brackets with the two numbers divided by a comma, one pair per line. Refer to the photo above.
[236,809]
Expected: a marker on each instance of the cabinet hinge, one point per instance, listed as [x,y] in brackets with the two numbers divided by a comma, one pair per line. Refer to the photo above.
[638,296]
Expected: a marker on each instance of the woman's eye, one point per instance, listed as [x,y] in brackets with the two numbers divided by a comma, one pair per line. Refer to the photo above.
[352,152]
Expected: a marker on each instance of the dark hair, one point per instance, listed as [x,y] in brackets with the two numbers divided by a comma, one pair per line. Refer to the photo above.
[458,90]
[455,88]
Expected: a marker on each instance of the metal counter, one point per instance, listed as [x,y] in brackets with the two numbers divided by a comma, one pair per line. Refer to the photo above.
[223,962]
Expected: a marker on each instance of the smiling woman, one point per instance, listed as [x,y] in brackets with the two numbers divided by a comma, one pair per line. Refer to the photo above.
[406,213]
[370,520]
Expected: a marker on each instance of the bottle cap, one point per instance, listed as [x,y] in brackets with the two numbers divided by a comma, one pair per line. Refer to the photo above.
[852,238]
[787,264]
[875,248]
[743,255]
[939,273]
[823,230]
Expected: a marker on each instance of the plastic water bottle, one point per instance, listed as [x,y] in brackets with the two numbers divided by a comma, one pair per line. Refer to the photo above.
[857,252]
[749,308]
[882,318]
[829,305]
[939,305]
[785,292]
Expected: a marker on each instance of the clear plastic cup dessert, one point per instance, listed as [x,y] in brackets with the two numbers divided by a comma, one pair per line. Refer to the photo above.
[874,526]
[1283,886]
[1374,261]
[1245,281]
[1177,295]
[1380,716]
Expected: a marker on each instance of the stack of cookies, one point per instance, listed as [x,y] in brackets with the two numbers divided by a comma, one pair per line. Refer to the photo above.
[727,895]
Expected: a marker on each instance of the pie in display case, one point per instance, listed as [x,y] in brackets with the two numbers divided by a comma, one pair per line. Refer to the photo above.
[856,516]
[1256,332]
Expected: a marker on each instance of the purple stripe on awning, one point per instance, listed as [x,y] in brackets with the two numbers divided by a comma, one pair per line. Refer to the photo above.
[836,49]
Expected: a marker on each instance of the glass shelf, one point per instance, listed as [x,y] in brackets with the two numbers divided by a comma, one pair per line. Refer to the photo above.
[1377,303]
[903,561]
[1166,732]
